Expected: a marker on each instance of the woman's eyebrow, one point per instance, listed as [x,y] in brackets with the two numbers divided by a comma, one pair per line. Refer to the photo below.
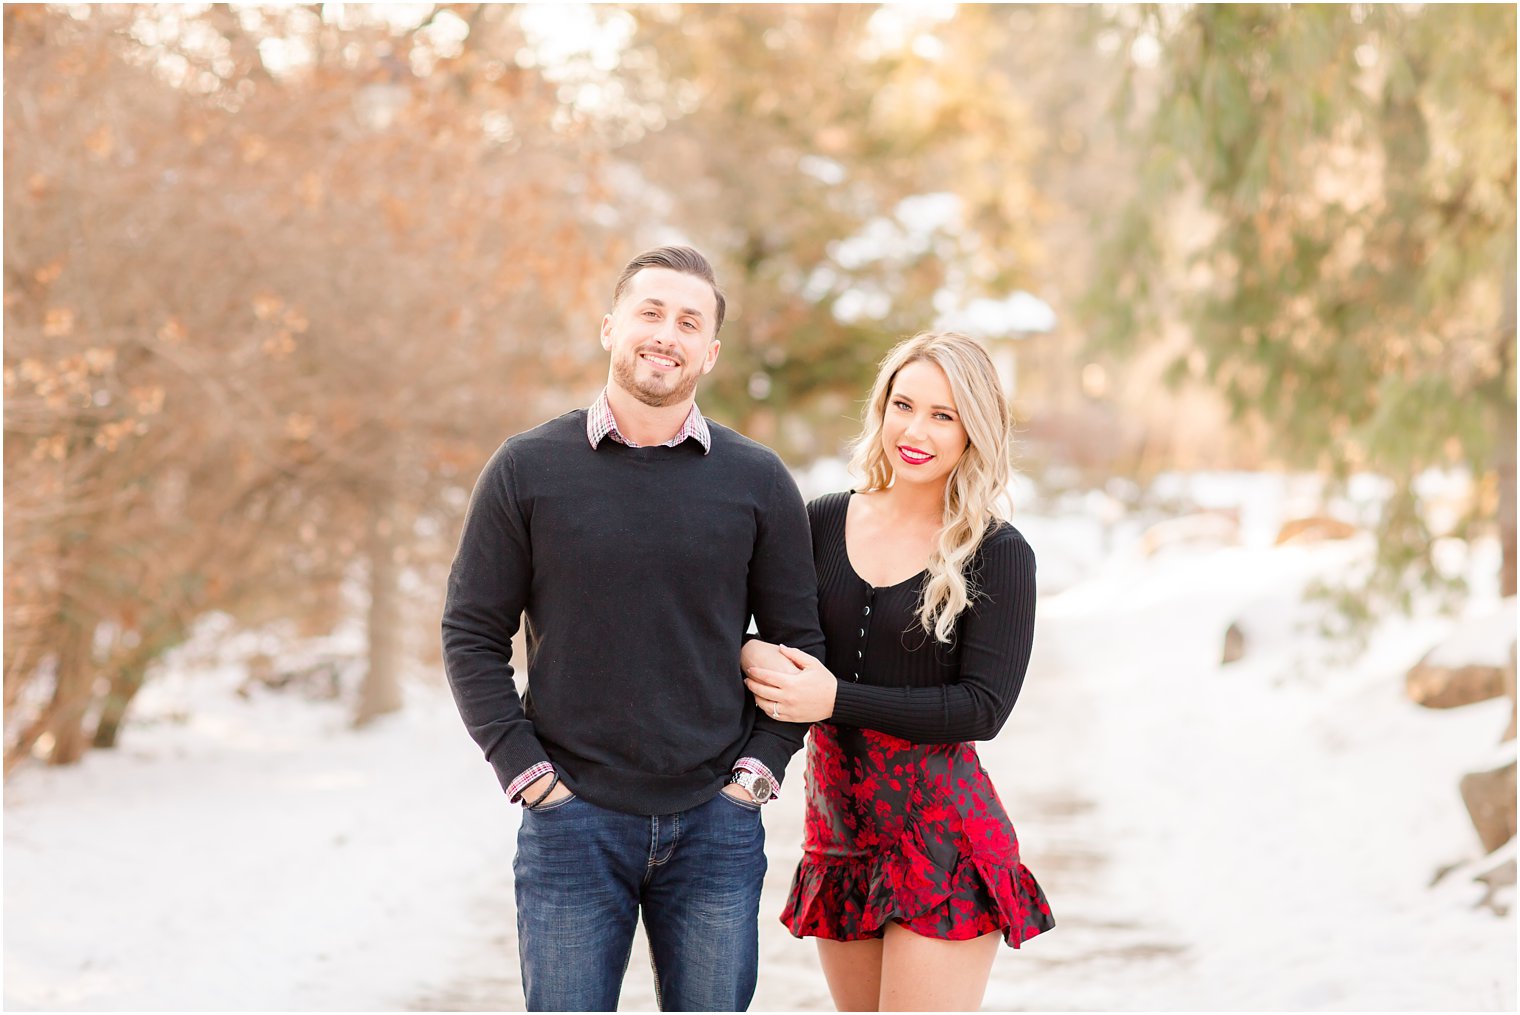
[899,396]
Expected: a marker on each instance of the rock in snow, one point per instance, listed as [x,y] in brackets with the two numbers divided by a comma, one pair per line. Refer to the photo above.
[1469,666]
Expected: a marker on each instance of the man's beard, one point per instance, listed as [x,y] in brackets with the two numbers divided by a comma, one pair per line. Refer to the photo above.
[651,393]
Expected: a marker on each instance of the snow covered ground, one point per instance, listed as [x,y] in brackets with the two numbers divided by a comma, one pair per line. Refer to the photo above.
[1258,835]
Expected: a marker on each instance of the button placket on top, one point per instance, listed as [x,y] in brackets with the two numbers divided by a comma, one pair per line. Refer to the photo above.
[865,627]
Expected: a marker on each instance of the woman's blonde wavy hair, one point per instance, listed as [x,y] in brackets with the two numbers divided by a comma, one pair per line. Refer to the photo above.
[975,493]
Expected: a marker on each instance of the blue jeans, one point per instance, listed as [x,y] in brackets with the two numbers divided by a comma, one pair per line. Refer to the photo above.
[583,874]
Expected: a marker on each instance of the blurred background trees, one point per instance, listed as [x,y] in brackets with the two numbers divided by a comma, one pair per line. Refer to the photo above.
[250,305]
[278,281]
[849,170]
[1325,208]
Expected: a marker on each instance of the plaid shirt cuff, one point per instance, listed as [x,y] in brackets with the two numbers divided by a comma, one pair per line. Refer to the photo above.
[514,791]
[758,768]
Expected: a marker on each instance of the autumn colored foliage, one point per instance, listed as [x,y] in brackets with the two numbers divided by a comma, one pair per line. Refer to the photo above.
[277,281]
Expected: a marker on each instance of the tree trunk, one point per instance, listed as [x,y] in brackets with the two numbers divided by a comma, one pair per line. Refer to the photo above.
[380,693]
[130,669]
[124,687]
[28,626]
[65,714]
[1507,500]
[31,637]
[1505,458]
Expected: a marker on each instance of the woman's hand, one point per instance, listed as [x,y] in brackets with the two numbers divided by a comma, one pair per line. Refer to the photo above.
[798,689]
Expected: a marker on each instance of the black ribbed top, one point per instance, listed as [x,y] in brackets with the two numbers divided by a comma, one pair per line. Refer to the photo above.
[893,676]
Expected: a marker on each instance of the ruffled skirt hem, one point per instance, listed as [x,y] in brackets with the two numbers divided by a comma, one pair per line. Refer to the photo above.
[853,899]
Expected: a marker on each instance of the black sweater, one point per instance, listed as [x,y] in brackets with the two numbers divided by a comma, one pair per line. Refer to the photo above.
[896,678]
[638,570]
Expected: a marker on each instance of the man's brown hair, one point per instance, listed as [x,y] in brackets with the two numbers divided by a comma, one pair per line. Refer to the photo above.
[683,259]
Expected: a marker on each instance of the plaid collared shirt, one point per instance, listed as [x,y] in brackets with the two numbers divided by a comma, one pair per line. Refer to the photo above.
[599,424]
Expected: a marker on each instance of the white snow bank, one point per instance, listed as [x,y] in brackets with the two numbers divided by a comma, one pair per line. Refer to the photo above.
[1483,640]
[1284,815]
[250,855]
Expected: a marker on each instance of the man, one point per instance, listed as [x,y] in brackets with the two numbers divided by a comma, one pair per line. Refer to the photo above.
[639,539]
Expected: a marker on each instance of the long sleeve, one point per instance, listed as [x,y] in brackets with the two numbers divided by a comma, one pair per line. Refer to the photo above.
[783,597]
[994,643]
[487,592]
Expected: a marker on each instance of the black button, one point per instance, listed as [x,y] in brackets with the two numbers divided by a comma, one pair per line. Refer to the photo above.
[868,611]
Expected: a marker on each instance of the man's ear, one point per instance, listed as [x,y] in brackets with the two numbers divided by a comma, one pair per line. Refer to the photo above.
[712,355]
[607,332]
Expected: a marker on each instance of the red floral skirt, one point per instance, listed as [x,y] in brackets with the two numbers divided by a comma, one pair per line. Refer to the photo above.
[907,832]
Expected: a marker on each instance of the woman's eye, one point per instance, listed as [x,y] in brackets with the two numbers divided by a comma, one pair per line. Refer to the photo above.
[902,406]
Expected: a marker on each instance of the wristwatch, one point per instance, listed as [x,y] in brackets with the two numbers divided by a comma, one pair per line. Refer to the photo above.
[758,786]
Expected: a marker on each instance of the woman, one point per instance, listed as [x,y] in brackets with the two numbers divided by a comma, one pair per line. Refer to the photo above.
[911,867]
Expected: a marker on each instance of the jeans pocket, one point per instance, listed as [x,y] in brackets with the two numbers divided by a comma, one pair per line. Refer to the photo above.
[556,805]
[744,805]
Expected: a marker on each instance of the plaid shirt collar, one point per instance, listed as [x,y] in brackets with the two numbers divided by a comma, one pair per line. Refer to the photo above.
[599,424]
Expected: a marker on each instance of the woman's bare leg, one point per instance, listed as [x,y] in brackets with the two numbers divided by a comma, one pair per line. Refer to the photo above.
[927,974]
[853,969]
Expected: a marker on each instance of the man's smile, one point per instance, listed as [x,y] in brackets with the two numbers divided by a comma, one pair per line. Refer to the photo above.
[660,361]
